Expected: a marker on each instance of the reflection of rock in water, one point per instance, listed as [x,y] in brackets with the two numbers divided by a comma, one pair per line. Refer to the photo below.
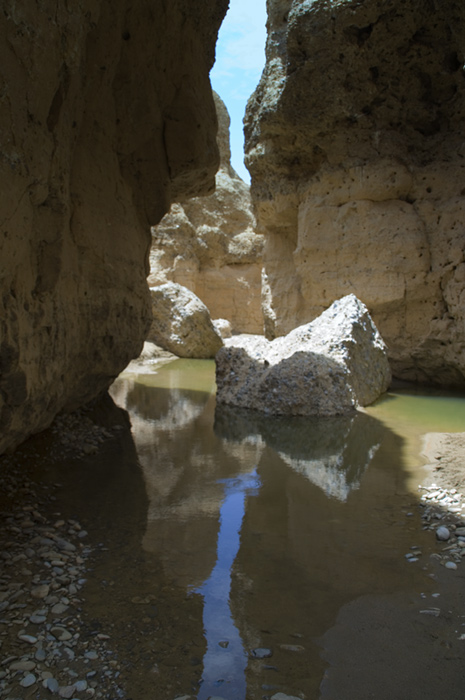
[333,453]
[184,466]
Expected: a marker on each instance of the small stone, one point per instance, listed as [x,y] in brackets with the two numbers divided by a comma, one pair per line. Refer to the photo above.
[37,619]
[450,565]
[27,638]
[41,591]
[283,696]
[51,684]
[223,645]
[261,653]
[66,691]
[80,686]
[91,655]
[292,647]
[22,666]
[28,680]
[442,533]
[40,655]
[59,609]
[61,634]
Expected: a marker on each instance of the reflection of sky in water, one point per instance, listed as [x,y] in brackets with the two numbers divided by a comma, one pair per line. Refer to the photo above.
[225,660]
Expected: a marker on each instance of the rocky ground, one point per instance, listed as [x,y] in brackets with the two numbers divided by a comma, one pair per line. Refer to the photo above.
[47,648]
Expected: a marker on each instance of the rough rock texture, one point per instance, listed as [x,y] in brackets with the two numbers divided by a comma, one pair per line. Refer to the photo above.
[181,323]
[103,122]
[354,140]
[209,245]
[327,367]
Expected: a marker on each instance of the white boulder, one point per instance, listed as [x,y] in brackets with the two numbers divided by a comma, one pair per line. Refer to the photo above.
[326,367]
[181,323]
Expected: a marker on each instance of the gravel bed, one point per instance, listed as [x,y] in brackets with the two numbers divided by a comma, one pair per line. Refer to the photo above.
[47,649]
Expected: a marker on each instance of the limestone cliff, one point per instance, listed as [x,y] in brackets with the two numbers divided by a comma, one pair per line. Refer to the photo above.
[354,140]
[210,246]
[106,116]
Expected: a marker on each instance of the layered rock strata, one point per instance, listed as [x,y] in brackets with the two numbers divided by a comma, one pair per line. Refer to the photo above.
[325,368]
[210,246]
[103,123]
[354,140]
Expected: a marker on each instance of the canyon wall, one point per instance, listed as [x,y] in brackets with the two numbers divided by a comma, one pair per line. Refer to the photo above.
[106,117]
[210,246]
[355,144]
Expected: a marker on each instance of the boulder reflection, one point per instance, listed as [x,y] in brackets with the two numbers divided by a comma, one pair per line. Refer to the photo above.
[333,453]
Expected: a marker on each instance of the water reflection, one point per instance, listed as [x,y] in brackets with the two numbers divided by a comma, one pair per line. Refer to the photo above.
[274,522]
[332,453]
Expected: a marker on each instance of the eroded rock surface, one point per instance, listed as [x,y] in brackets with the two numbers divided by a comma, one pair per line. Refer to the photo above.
[327,367]
[181,323]
[209,245]
[354,140]
[103,123]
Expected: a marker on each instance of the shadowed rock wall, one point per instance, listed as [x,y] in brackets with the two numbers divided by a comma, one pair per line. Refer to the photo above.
[354,141]
[106,116]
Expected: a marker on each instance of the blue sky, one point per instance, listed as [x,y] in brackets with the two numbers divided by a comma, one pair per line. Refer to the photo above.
[240,57]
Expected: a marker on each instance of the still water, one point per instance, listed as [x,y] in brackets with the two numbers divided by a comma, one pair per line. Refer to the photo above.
[231,541]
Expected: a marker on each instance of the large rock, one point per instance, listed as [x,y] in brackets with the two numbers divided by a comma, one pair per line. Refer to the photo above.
[354,140]
[181,323]
[209,245]
[327,367]
[103,122]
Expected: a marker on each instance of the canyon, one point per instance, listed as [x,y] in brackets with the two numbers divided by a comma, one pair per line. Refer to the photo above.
[354,142]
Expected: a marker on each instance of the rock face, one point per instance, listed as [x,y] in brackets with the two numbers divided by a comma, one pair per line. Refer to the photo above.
[103,123]
[327,367]
[209,245]
[181,323]
[354,140]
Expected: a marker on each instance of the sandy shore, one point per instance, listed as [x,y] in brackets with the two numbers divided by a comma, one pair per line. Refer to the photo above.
[445,455]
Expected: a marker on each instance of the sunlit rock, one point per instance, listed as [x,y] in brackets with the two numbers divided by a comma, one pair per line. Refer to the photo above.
[181,323]
[210,245]
[327,367]
[223,326]
[354,141]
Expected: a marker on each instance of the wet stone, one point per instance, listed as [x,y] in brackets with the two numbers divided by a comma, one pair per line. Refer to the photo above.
[261,653]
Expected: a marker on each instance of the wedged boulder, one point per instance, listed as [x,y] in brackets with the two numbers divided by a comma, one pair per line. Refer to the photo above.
[223,326]
[181,323]
[326,367]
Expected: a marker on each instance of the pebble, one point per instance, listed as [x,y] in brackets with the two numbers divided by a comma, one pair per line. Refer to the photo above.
[23,666]
[292,647]
[443,533]
[51,684]
[42,569]
[261,653]
[28,680]
[450,565]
